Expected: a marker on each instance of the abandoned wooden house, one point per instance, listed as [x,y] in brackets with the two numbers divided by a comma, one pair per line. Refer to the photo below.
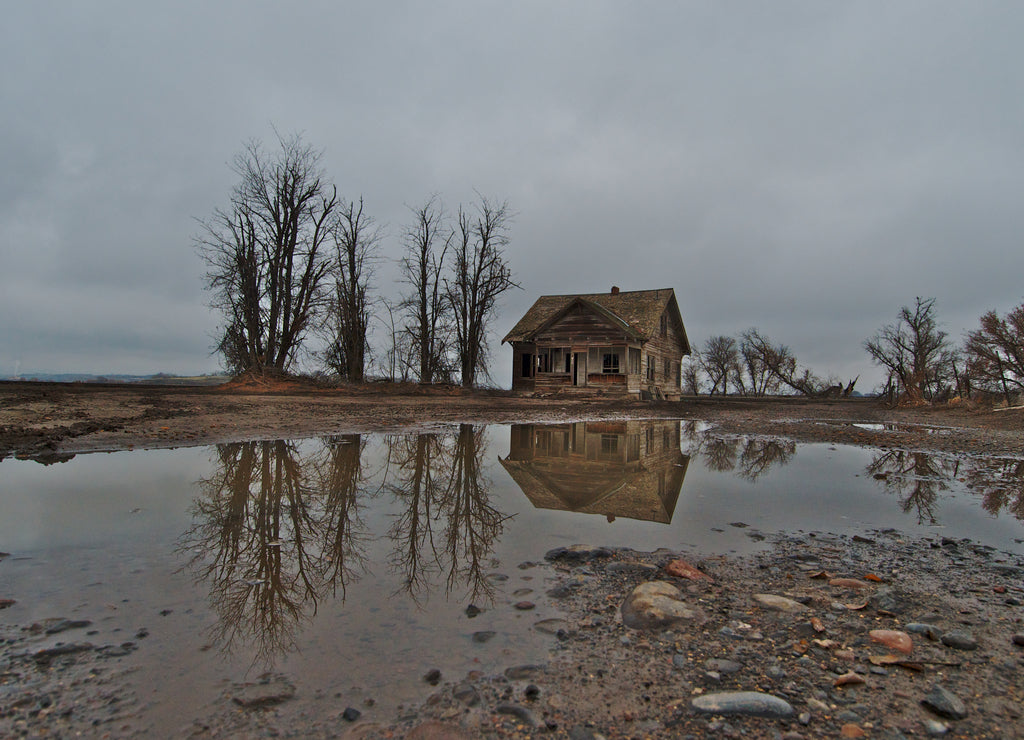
[632,469]
[617,343]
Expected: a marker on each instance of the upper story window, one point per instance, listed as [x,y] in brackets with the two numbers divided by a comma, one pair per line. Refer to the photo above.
[664,325]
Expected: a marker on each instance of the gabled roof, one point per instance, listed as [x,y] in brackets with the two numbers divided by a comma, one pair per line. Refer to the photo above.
[637,311]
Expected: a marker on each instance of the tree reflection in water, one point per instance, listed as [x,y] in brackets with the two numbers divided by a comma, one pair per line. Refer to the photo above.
[748,457]
[447,524]
[277,528]
[1001,485]
[915,477]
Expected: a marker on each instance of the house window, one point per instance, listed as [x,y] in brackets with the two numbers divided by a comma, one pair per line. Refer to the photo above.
[667,367]
[664,325]
[650,367]
[610,363]
[609,444]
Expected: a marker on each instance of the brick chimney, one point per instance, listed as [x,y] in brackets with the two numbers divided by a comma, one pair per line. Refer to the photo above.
[615,290]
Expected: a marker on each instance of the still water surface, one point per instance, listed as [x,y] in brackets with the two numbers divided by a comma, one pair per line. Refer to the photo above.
[347,562]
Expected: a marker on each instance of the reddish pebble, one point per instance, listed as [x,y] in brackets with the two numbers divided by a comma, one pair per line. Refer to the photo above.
[525,605]
[894,639]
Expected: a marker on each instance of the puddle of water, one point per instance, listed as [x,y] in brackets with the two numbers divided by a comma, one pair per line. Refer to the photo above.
[348,563]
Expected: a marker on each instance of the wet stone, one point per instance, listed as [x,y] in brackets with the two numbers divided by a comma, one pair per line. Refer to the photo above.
[945,703]
[351,714]
[927,630]
[657,605]
[433,676]
[723,666]
[519,712]
[551,626]
[629,566]
[472,610]
[779,603]
[466,694]
[521,672]
[1018,639]
[483,635]
[62,625]
[577,554]
[747,703]
[45,656]
[959,640]
[268,692]
[525,606]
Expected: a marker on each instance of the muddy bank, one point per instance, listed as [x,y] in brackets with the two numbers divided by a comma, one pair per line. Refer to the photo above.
[53,420]
[837,636]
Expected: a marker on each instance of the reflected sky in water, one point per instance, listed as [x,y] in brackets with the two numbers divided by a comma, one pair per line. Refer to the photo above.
[367,549]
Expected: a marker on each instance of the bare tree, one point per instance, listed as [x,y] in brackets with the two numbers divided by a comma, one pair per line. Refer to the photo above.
[265,254]
[995,352]
[356,240]
[914,350]
[779,365]
[756,374]
[692,382]
[427,242]
[719,359]
[478,276]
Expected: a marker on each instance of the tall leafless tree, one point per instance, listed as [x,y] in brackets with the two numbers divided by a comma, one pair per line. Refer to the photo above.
[478,275]
[356,240]
[428,312]
[776,365]
[914,350]
[266,254]
[719,358]
[995,352]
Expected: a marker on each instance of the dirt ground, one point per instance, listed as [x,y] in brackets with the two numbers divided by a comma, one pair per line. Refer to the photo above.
[603,679]
[41,419]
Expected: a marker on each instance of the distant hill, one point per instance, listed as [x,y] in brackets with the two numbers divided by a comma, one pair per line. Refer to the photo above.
[155,379]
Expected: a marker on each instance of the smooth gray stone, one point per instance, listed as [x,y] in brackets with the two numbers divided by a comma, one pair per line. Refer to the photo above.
[945,703]
[748,703]
[960,640]
[928,630]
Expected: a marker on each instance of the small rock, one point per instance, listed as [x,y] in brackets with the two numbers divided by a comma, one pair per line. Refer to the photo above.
[433,676]
[521,672]
[630,566]
[679,661]
[483,635]
[928,630]
[849,583]
[657,605]
[747,703]
[779,603]
[945,703]
[351,714]
[525,606]
[532,691]
[551,626]
[466,694]
[577,554]
[852,730]
[959,640]
[934,728]
[681,569]
[723,665]
[4,603]
[519,712]
[63,625]
[45,656]
[472,610]
[899,641]
[1018,639]
[269,691]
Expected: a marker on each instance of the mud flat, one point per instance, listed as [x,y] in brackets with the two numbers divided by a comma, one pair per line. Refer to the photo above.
[818,636]
[60,419]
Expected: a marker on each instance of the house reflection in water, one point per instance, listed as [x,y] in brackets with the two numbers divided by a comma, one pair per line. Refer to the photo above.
[632,469]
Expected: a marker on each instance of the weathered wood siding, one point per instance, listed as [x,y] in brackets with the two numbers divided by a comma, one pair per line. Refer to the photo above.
[580,326]
[661,347]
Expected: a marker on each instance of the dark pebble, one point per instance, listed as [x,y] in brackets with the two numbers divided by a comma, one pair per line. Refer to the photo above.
[351,714]
[520,672]
[142,633]
[532,691]
[519,712]
[67,624]
[472,610]
[483,635]
[525,606]
[960,640]
[466,694]
[944,703]
[1018,639]
[433,676]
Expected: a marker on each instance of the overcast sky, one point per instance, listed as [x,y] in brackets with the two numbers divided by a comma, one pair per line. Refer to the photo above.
[803,167]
